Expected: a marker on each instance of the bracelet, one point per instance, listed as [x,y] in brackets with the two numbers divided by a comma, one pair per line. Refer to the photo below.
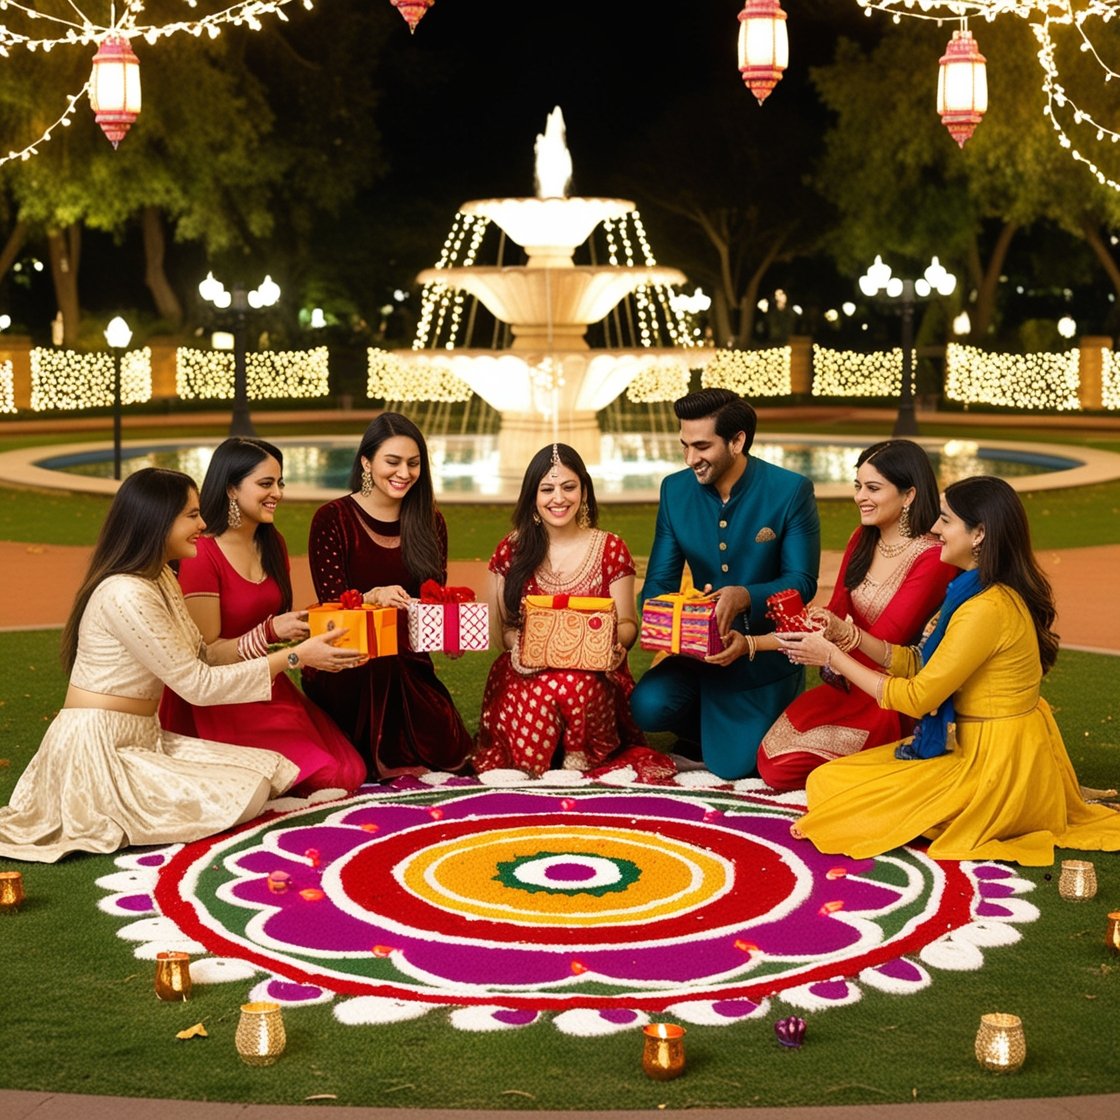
[270,631]
[888,655]
[850,639]
[253,643]
[752,649]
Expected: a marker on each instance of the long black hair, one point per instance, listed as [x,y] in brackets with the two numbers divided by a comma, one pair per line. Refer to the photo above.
[233,461]
[133,539]
[419,536]
[1005,554]
[904,465]
[531,546]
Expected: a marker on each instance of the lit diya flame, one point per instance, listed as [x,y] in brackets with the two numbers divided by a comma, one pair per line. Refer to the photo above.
[836,873]
[382,950]
[311,894]
[578,968]
[830,908]
[746,946]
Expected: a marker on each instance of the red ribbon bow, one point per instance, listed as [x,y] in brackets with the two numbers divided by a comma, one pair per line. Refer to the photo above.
[432,592]
[351,600]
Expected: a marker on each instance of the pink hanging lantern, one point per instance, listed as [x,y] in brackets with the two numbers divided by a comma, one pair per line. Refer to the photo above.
[114,90]
[412,10]
[763,46]
[962,86]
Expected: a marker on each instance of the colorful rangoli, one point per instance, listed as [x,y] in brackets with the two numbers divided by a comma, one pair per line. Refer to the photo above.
[596,903]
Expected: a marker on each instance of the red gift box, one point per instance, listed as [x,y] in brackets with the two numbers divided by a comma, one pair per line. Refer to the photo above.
[786,610]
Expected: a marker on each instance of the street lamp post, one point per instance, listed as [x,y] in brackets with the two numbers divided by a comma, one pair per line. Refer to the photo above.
[239,301]
[935,279]
[118,334]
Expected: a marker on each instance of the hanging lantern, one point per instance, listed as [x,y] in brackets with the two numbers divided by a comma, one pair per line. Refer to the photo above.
[962,86]
[412,10]
[763,46]
[114,90]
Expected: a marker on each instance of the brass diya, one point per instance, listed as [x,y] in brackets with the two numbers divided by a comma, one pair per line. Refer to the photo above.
[173,976]
[1112,937]
[663,1052]
[11,891]
[1001,1046]
[1078,880]
[260,1037]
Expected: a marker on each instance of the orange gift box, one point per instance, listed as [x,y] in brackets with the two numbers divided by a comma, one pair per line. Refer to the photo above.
[370,630]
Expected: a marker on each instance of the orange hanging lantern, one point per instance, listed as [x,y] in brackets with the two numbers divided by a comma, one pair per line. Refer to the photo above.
[962,86]
[413,11]
[114,90]
[763,46]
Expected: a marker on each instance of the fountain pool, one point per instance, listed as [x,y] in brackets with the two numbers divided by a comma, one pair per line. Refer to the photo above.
[465,468]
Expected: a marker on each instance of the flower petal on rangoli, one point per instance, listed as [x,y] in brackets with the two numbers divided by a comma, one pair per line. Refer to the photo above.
[623,776]
[1006,910]
[823,994]
[290,994]
[720,1012]
[586,1022]
[699,779]
[899,977]
[221,970]
[562,778]
[751,785]
[987,933]
[378,1010]
[136,881]
[491,1018]
[152,857]
[436,778]
[127,905]
[952,956]
[499,778]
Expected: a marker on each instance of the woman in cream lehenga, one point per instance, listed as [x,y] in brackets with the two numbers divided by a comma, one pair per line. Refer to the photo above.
[105,775]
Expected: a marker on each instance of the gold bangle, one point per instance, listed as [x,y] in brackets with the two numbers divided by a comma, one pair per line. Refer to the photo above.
[751,649]
[888,655]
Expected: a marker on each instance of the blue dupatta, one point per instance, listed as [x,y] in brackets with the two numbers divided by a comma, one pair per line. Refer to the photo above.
[931,736]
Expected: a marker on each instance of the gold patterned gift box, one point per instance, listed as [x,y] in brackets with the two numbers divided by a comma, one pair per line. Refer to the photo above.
[568,632]
[681,622]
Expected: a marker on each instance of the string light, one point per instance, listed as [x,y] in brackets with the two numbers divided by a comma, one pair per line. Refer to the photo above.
[269,374]
[390,378]
[665,381]
[845,373]
[1041,381]
[80,30]
[69,381]
[751,373]
[7,387]
[1043,16]
[1110,379]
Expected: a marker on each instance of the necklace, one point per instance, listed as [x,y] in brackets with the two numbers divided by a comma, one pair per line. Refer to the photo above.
[890,551]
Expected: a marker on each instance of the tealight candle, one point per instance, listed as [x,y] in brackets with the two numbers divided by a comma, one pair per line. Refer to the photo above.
[278,881]
[173,976]
[260,1037]
[11,891]
[663,1052]
[1078,880]
[1112,937]
[1001,1045]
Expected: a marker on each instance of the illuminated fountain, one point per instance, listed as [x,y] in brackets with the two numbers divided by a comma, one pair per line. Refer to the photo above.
[549,384]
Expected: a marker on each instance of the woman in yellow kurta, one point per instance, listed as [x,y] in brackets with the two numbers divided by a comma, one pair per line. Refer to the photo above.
[1005,789]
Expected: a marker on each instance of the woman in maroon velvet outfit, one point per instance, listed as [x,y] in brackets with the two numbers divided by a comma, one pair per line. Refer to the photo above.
[385,539]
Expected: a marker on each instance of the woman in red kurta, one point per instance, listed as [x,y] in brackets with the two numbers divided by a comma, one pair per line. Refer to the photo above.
[238,586]
[575,718]
[385,539]
[891,581]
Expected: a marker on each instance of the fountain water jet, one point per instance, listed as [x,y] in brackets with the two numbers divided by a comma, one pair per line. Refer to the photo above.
[550,384]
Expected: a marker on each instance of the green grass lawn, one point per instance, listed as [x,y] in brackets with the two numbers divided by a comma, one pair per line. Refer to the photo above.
[79,1014]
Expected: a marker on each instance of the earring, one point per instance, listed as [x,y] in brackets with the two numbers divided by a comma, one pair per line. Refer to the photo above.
[904,521]
[536,518]
[367,484]
[976,549]
[234,517]
[583,518]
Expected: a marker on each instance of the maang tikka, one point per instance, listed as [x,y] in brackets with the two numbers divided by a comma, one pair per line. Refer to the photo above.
[554,470]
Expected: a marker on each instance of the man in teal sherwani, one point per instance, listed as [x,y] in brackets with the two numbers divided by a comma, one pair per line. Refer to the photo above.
[746,529]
